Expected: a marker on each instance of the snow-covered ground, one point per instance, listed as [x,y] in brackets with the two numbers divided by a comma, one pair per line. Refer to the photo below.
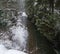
[4,50]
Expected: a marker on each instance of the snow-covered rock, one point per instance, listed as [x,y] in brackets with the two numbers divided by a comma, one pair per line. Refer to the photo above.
[3,50]
[14,52]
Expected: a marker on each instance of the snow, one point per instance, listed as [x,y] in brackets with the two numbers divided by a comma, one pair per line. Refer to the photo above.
[3,50]
[35,3]
[24,14]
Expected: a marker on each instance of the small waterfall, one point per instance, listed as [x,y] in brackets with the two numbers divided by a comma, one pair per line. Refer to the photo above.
[19,33]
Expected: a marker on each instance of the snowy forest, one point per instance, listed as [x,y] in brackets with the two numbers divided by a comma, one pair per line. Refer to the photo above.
[29,26]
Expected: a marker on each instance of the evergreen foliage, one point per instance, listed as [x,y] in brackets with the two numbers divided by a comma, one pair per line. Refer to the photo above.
[41,13]
[3,21]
